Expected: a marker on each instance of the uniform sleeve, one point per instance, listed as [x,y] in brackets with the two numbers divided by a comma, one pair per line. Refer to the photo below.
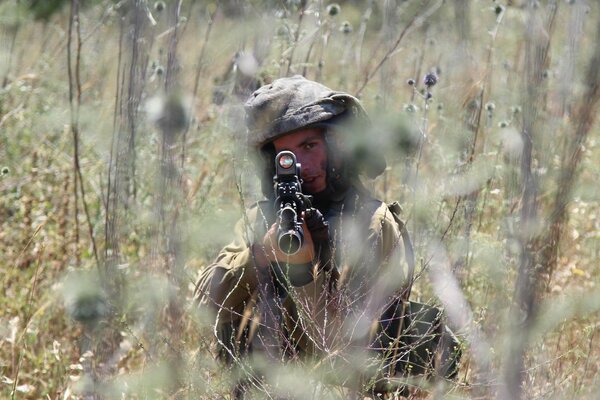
[227,284]
[386,238]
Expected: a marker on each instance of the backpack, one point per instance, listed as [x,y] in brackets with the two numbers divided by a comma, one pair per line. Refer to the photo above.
[412,336]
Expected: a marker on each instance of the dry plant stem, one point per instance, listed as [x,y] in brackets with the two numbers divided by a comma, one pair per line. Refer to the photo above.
[35,233]
[16,364]
[462,16]
[478,142]
[585,115]
[74,116]
[200,68]
[525,309]
[9,114]
[390,21]
[488,185]
[172,67]
[75,83]
[108,216]
[322,52]
[416,19]
[11,51]
[131,85]
[587,358]
[27,318]
[315,36]
[296,37]
[245,367]
[56,52]
[567,74]
[426,264]
[360,38]
[477,146]
[422,139]
[122,188]
[169,240]
[62,220]
[105,16]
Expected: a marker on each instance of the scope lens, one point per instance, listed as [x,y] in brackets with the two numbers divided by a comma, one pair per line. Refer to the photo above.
[286,161]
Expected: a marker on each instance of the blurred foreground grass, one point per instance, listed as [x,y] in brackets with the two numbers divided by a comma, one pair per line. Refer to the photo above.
[463,188]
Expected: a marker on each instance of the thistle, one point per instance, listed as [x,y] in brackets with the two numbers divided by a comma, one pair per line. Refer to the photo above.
[430,79]
[333,9]
[346,28]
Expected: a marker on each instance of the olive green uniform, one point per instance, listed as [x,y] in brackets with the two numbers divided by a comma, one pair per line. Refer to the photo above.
[354,294]
[366,253]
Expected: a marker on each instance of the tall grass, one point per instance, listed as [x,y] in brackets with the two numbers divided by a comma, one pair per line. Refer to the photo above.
[123,170]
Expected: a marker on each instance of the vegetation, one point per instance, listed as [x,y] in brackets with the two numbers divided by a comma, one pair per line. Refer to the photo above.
[123,169]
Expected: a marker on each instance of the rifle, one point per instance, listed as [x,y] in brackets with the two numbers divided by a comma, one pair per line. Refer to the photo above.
[290,202]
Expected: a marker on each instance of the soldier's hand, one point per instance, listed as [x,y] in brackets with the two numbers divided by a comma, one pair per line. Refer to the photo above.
[305,255]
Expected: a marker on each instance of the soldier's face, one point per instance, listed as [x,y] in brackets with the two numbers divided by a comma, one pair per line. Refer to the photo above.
[311,151]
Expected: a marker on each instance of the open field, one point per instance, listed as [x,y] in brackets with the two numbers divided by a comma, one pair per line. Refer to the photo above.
[123,168]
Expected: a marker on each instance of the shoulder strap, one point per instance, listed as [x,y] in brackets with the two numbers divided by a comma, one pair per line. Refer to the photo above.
[409,252]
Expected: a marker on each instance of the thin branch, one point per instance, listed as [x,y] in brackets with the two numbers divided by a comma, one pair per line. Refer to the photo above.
[199,70]
[415,20]
[74,120]
[75,84]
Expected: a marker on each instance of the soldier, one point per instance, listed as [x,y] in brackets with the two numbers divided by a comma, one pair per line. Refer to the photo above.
[328,296]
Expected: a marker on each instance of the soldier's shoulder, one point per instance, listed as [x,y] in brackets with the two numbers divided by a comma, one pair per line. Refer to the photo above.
[259,211]
[386,214]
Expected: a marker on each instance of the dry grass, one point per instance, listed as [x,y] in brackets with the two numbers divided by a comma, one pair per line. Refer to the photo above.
[468,195]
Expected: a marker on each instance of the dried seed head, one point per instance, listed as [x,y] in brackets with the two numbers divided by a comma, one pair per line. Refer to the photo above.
[411,82]
[503,124]
[411,108]
[473,105]
[333,9]
[84,299]
[490,106]
[430,79]
[159,6]
[171,114]
[515,109]
[159,70]
[88,308]
[499,9]
[283,31]
[4,171]
[428,95]
[346,27]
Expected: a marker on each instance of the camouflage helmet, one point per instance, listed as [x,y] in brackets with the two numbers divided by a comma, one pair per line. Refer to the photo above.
[290,104]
